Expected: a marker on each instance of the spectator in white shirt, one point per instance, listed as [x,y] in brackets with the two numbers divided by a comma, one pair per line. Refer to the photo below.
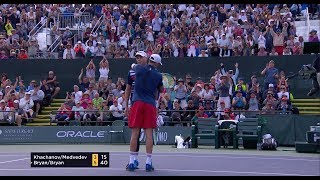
[124,38]
[116,111]
[77,93]
[68,53]
[27,104]
[203,53]
[37,96]
[99,50]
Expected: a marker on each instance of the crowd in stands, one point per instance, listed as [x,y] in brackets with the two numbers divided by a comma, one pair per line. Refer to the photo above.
[171,30]
[100,100]
[21,101]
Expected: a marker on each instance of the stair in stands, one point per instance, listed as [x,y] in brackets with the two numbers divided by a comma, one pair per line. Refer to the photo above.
[307,106]
[43,118]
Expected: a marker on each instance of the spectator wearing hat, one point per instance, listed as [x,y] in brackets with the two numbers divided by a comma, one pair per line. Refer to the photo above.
[181,93]
[31,85]
[271,89]
[33,48]
[67,34]
[90,117]
[26,103]
[19,113]
[22,54]
[313,37]
[79,50]
[270,73]
[99,50]
[284,105]
[77,111]
[85,100]
[239,102]
[116,111]
[68,52]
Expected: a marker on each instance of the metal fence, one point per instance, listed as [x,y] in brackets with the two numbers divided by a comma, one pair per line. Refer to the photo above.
[69,20]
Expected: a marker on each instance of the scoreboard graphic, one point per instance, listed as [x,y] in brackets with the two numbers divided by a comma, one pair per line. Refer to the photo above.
[70,159]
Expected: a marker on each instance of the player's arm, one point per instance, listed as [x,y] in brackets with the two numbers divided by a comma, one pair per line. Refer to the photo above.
[127,93]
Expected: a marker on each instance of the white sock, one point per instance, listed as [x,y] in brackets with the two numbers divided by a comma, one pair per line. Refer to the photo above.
[132,155]
[149,159]
[135,157]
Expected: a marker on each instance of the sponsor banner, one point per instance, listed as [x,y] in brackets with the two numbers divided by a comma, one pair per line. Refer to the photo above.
[82,134]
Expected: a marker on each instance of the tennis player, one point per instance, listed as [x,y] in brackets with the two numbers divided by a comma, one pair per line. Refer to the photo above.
[141,58]
[143,113]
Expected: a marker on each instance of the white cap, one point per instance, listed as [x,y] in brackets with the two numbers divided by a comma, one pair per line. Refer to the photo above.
[16,101]
[79,42]
[67,27]
[7,86]
[28,93]
[2,101]
[155,58]
[99,42]
[271,85]
[141,53]
[243,11]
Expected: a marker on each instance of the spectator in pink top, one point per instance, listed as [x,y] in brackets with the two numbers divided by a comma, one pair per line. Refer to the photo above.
[313,37]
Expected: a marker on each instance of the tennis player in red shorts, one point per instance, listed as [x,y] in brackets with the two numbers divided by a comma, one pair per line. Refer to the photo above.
[143,113]
[141,58]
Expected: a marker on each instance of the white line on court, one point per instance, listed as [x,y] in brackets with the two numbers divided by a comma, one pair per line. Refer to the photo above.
[3,162]
[168,170]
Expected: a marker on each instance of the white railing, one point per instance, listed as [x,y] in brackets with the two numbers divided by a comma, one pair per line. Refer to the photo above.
[96,27]
[55,43]
[308,19]
[34,31]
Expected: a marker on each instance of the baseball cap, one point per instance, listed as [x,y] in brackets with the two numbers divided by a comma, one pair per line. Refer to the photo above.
[16,101]
[28,93]
[155,58]
[141,53]
[271,85]
[2,101]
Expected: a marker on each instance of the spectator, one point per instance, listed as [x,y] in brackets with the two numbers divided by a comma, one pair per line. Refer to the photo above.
[69,53]
[271,74]
[22,54]
[313,37]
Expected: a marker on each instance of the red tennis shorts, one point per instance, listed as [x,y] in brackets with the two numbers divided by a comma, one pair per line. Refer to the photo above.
[142,115]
